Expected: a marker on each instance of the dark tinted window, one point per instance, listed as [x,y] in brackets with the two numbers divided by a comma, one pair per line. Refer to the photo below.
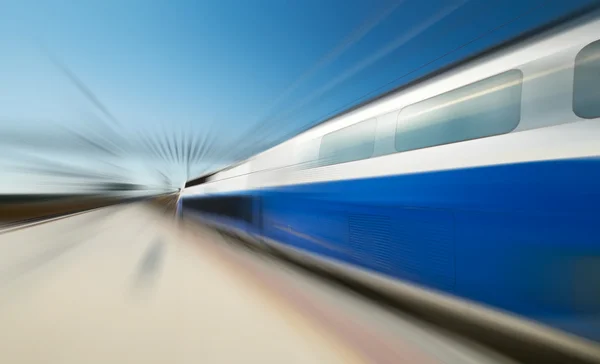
[586,86]
[349,144]
[236,207]
[481,109]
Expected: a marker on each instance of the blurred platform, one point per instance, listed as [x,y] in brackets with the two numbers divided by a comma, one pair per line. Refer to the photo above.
[128,284]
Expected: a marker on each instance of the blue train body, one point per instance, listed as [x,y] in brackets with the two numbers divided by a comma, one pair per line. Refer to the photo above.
[522,238]
[481,183]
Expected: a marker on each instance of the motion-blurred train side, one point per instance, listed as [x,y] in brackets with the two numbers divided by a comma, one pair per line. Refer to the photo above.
[480,183]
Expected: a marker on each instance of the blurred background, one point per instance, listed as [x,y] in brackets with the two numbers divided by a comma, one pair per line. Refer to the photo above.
[116,115]
[128,92]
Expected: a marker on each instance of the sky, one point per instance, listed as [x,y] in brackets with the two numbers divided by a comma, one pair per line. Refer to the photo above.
[94,90]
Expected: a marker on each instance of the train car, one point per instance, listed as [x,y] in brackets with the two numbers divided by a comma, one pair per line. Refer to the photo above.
[477,184]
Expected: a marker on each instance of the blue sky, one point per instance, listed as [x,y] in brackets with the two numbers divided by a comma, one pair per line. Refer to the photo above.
[168,67]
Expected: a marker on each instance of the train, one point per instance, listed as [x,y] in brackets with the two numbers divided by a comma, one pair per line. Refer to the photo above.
[477,185]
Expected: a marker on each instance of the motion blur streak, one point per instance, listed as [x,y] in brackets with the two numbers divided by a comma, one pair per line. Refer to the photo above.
[122,284]
[477,184]
[342,181]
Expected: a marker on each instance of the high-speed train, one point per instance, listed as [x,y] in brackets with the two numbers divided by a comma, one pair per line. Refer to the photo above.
[477,185]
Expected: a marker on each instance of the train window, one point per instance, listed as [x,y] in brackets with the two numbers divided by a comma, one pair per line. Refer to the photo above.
[586,83]
[485,108]
[352,143]
[236,207]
